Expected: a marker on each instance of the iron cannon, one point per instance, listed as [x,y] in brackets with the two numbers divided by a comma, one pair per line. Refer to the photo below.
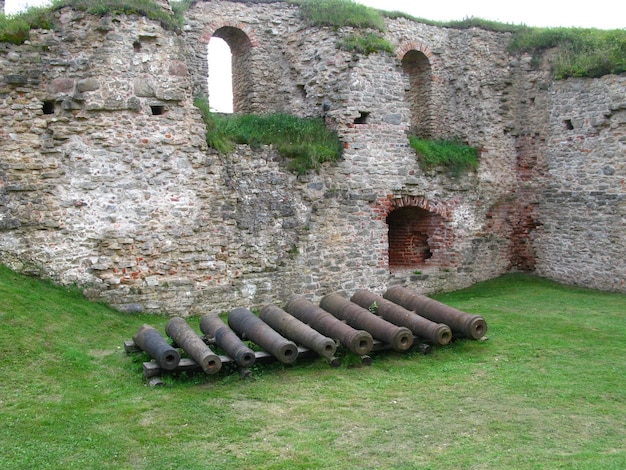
[358,341]
[298,331]
[437,333]
[461,323]
[247,324]
[213,327]
[399,338]
[184,336]
[148,339]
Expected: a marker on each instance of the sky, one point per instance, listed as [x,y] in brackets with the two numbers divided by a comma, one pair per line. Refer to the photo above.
[603,14]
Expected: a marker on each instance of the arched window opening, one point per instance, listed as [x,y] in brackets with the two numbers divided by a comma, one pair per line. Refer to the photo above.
[241,81]
[419,72]
[411,241]
[220,76]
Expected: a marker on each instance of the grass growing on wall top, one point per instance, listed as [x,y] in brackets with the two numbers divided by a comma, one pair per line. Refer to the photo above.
[581,52]
[340,13]
[547,390]
[305,143]
[147,8]
[179,8]
[16,28]
[454,155]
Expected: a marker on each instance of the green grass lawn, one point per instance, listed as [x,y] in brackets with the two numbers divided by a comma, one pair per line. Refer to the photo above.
[546,390]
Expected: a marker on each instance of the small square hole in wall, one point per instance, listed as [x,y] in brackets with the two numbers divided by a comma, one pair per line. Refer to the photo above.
[48,107]
[302,90]
[568,124]
[157,110]
[362,119]
[137,46]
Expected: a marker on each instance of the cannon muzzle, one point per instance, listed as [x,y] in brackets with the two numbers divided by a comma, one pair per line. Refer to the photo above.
[213,327]
[247,324]
[298,331]
[358,341]
[184,336]
[399,338]
[461,323]
[150,340]
[437,333]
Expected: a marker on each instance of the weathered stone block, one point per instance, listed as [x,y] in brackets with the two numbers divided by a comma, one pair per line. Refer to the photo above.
[143,88]
[168,94]
[60,85]
[16,79]
[178,69]
[87,84]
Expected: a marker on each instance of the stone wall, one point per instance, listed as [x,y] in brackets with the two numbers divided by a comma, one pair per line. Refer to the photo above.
[106,180]
[583,204]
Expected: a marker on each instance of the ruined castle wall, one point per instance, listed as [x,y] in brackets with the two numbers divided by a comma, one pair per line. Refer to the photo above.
[583,205]
[106,179]
[569,195]
[379,170]
[94,184]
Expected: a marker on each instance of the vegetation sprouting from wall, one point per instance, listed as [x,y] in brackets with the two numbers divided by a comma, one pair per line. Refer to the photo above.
[365,44]
[454,155]
[304,143]
[15,29]
[581,52]
[340,13]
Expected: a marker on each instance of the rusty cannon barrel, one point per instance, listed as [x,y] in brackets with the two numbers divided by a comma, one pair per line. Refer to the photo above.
[150,340]
[461,323]
[298,331]
[399,338]
[225,338]
[358,341]
[184,336]
[437,333]
[247,324]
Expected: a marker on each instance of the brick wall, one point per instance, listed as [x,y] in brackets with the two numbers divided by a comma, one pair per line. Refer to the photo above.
[412,235]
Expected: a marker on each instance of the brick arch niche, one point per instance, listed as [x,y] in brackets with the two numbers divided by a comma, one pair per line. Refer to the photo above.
[417,68]
[241,53]
[413,237]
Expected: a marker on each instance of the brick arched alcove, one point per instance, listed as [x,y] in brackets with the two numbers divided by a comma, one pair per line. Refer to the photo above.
[411,230]
[419,232]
